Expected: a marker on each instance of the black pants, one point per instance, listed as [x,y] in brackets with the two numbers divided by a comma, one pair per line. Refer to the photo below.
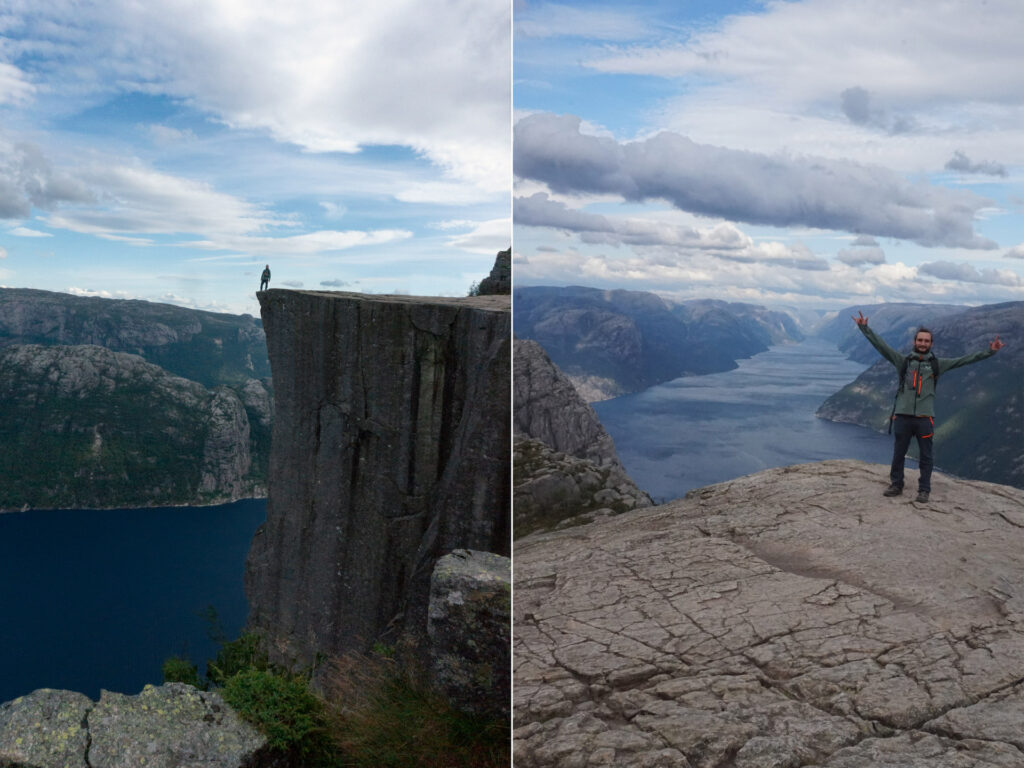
[264,284]
[906,427]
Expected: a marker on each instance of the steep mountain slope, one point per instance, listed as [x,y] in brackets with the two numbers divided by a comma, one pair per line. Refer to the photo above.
[979,419]
[896,322]
[564,462]
[85,427]
[208,349]
[614,342]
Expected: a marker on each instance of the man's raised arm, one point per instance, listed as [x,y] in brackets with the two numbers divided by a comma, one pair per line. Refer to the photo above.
[877,342]
[949,363]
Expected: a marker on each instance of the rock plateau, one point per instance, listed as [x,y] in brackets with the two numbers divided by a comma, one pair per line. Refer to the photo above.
[790,618]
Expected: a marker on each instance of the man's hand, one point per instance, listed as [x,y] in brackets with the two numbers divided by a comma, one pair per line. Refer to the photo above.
[995,345]
[863,321]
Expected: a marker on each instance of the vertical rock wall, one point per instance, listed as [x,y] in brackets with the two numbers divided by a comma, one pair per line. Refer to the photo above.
[390,449]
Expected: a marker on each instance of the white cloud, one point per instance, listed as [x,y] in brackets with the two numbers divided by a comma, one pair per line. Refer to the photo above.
[1017,252]
[26,232]
[967,273]
[555,20]
[328,77]
[14,85]
[165,135]
[856,257]
[487,237]
[3,252]
[324,241]
[902,84]
[333,210]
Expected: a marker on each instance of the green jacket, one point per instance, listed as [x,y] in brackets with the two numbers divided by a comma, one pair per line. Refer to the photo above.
[917,397]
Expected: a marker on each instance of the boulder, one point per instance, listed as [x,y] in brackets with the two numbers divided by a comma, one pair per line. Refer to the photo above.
[469,625]
[166,726]
[499,281]
[45,729]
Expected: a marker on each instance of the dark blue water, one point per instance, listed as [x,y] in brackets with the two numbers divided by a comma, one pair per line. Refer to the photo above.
[99,598]
[701,430]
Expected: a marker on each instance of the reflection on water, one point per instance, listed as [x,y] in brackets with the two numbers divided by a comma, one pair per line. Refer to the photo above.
[700,430]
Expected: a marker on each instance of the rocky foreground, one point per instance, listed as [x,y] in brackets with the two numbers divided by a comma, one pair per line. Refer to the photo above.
[790,618]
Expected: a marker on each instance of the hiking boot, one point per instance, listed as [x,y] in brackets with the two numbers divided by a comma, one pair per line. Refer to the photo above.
[892,490]
[922,497]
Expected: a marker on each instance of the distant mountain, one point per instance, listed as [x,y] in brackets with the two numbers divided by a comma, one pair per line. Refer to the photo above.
[129,403]
[614,342]
[978,421]
[208,347]
[896,322]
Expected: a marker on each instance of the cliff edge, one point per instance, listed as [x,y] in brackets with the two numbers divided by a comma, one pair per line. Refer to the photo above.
[792,617]
[390,450]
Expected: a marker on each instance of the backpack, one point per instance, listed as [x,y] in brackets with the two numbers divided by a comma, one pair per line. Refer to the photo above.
[906,363]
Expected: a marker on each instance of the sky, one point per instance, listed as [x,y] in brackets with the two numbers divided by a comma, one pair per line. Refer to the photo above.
[168,150]
[813,154]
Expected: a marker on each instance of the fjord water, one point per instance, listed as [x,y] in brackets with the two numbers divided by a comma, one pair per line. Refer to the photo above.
[93,599]
[700,430]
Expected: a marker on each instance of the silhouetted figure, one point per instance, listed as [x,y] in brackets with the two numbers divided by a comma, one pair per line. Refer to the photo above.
[265,278]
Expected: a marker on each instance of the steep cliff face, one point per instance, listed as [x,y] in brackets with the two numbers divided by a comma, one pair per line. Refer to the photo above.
[564,462]
[390,449]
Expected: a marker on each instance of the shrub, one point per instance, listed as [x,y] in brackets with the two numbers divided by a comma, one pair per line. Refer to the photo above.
[179,670]
[284,710]
[237,656]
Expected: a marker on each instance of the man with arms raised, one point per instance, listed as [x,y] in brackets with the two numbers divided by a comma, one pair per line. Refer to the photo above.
[914,410]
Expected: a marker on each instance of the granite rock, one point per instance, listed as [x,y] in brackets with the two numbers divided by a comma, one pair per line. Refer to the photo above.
[795,617]
[390,449]
[168,726]
[469,625]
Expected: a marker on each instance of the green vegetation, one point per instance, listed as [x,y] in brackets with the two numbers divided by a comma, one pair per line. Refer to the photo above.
[179,670]
[368,713]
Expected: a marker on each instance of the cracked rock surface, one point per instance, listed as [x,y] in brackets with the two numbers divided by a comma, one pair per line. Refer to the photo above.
[795,617]
[162,727]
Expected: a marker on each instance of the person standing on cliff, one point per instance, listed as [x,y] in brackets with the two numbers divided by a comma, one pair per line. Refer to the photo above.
[265,278]
[914,409]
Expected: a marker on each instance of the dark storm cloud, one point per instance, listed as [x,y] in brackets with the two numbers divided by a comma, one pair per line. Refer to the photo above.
[856,257]
[960,162]
[947,270]
[724,241]
[28,179]
[745,186]
[856,105]
[864,240]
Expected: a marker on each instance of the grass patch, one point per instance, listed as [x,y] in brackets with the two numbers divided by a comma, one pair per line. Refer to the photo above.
[368,715]
[379,719]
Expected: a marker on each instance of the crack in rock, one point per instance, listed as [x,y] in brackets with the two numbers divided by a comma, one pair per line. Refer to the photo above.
[790,618]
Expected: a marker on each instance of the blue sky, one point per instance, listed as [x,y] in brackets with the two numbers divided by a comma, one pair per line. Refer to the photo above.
[167,150]
[818,154]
